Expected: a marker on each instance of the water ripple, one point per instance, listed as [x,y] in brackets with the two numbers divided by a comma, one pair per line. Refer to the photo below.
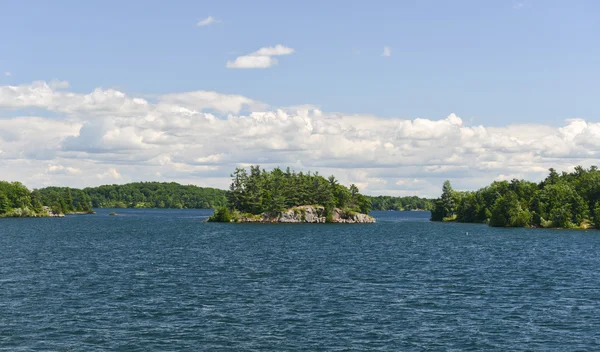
[155,280]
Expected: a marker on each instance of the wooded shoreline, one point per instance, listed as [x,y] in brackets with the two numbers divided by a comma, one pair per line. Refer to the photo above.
[566,200]
[16,200]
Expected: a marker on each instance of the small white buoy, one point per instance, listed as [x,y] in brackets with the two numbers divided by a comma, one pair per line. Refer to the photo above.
[467,233]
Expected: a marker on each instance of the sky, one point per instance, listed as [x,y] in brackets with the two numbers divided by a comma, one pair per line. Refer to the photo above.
[394,96]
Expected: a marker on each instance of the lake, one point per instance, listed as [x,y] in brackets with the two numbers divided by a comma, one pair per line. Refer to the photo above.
[158,280]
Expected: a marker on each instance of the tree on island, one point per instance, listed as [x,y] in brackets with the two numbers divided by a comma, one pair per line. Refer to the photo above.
[261,191]
[445,207]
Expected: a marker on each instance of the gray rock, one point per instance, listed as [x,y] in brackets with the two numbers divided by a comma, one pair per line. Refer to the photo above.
[309,214]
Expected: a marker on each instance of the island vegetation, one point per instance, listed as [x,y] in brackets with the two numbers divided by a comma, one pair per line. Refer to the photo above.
[259,193]
[565,200]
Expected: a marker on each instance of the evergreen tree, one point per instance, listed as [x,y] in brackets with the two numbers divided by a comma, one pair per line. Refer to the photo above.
[272,191]
[448,198]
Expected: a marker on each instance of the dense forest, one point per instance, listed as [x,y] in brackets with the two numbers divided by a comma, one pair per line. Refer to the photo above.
[155,195]
[400,203]
[566,200]
[259,191]
[64,200]
[16,200]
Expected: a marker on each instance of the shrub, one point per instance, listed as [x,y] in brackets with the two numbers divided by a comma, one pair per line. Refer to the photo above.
[221,214]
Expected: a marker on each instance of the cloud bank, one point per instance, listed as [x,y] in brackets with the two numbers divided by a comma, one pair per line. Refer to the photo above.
[107,136]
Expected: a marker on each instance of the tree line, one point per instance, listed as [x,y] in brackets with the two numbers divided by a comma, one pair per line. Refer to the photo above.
[17,200]
[155,195]
[565,200]
[400,203]
[253,191]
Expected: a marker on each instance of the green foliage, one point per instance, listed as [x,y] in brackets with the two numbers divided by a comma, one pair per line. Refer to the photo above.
[15,200]
[471,208]
[63,199]
[449,218]
[4,203]
[445,206]
[597,215]
[507,212]
[567,200]
[155,195]
[400,203]
[448,198]
[221,214]
[437,213]
[259,191]
[560,203]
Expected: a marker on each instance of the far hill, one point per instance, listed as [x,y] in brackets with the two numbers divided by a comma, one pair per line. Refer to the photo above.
[144,195]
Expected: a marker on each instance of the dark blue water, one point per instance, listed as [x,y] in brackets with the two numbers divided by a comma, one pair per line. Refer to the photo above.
[158,280]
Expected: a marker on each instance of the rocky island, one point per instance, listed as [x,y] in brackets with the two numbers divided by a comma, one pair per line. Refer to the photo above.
[278,196]
[300,214]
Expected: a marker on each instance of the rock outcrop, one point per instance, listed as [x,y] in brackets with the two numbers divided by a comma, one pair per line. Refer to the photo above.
[48,210]
[308,214]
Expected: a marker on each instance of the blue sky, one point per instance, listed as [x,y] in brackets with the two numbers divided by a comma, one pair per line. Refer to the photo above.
[495,64]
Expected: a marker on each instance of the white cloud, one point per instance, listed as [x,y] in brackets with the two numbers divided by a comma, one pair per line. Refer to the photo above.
[111,173]
[207,21]
[387,51]
[262,58]
[7,74]
[213,158]
[60,169]
[200,100]
[273,51]
[110,102]
[91,136]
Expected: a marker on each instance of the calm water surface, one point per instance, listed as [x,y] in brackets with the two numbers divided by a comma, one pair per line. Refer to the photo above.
[162,280]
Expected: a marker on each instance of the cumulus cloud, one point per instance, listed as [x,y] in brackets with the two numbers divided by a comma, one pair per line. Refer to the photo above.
[387,51]
[201,100]
[111,173]
[60,169]
[110,102]
[207,21]
[200,137]
[50,96]
[262,58]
